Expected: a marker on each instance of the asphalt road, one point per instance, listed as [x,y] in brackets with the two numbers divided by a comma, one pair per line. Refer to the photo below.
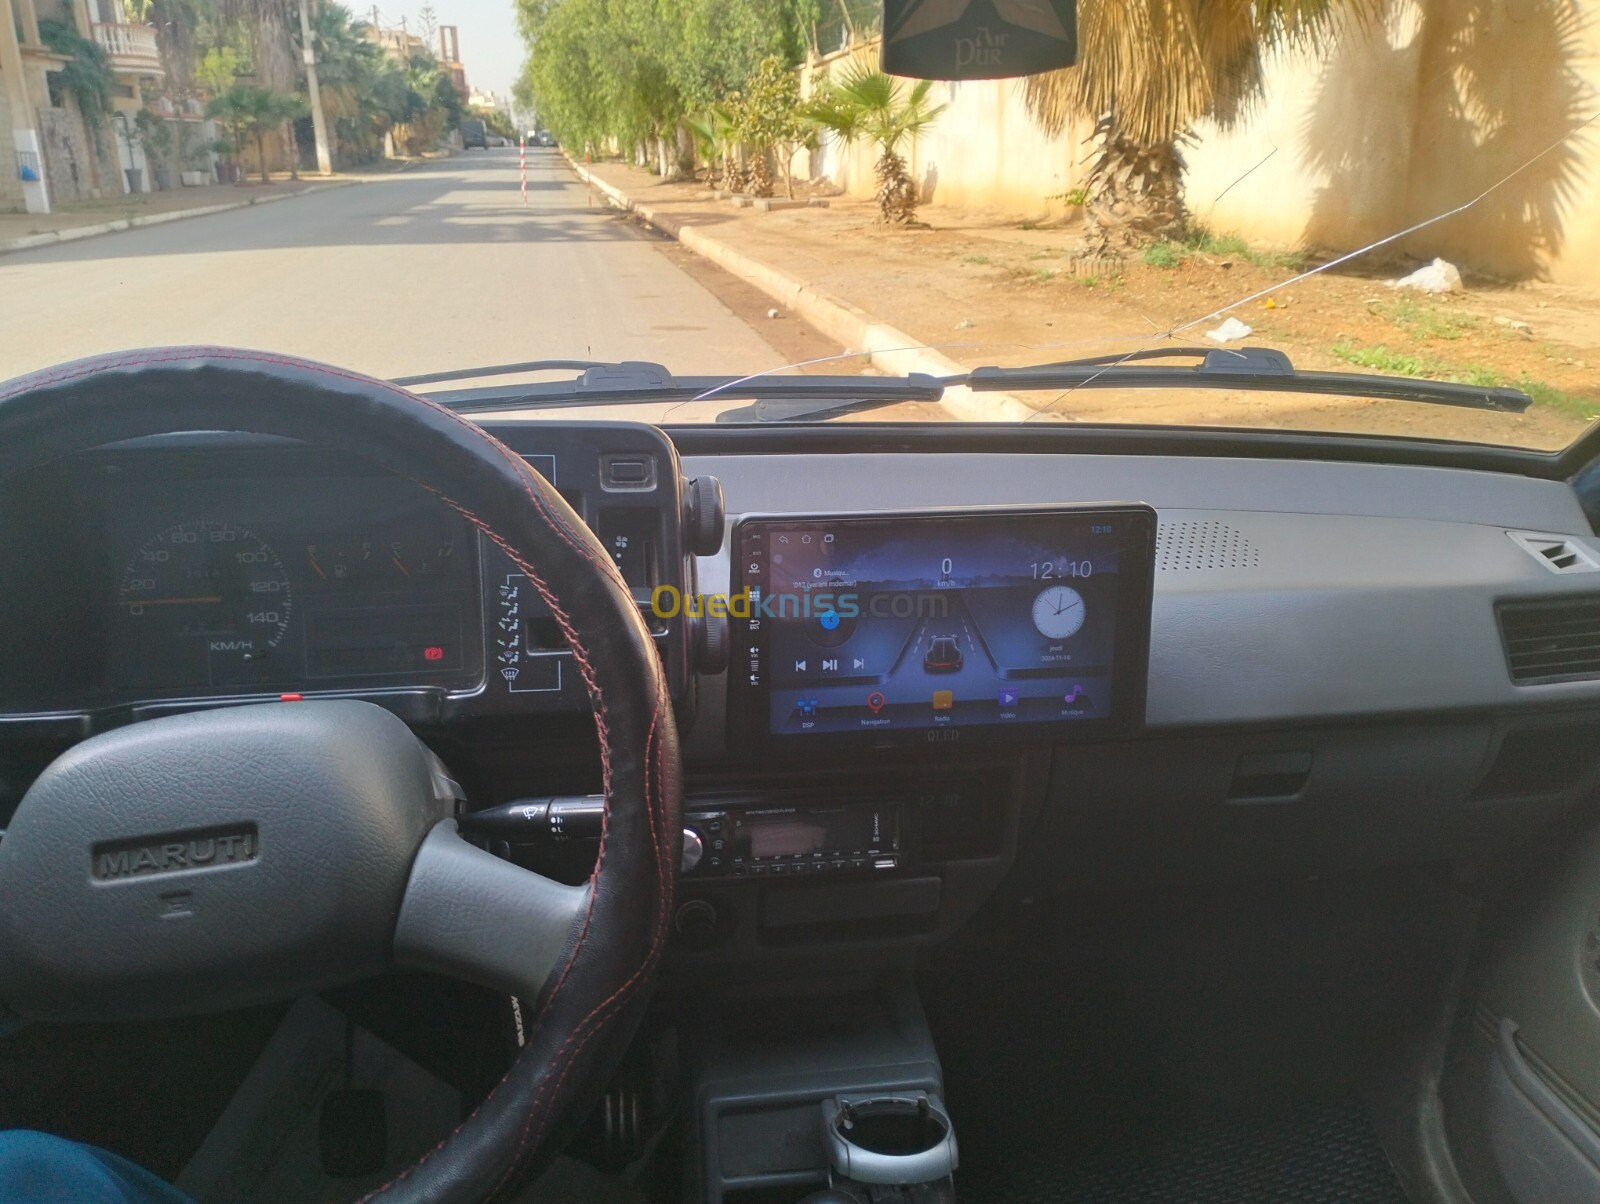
[428,269]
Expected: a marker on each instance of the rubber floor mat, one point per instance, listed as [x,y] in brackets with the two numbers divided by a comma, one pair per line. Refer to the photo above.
[1323,1154]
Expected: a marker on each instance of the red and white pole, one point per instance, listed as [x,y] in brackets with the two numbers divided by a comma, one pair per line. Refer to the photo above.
[522,154]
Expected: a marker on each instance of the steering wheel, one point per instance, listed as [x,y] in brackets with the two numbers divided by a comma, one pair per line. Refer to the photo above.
[238,855]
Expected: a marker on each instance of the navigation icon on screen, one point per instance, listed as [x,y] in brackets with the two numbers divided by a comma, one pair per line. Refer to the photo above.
[875,702]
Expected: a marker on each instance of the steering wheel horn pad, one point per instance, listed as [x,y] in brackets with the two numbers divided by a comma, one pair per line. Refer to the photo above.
[216,858]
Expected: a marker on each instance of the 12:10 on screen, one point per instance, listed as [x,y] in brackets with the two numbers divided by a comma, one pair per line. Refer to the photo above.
[1059,570]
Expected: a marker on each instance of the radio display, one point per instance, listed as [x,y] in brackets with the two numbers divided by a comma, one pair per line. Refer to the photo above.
[764,835]
[930,627]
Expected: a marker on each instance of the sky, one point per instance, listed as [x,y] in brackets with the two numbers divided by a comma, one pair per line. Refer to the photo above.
[491,49]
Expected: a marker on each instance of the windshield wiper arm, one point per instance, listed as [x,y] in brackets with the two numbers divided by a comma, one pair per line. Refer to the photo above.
[1260,369]
[1256,368]
[433,378]
[640,383]
[781,398]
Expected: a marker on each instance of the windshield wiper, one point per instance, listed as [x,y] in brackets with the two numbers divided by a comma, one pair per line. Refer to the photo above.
[775,398]
[433,378]
[636,382]
[1259,369]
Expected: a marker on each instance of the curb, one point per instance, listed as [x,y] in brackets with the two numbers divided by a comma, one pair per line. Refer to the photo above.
[73,233]
[885,346]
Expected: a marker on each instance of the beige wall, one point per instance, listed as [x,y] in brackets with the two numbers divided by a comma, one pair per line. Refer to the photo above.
[1398,123]
[984,152]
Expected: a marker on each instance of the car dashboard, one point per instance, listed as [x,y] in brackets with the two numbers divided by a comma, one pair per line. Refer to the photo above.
[1148,667]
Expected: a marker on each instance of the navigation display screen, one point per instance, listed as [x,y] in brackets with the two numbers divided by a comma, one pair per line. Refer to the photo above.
[899,628]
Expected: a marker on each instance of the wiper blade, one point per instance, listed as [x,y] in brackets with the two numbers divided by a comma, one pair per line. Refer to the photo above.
[640,383]
[433,378]
[778,398]
[1260,369]
[1255,368]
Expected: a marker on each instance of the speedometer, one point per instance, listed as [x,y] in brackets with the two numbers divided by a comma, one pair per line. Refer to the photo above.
[207,590]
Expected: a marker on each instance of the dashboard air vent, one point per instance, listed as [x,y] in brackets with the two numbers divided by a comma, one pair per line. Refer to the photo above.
[1187,546]
[1551,641]
[1556,552]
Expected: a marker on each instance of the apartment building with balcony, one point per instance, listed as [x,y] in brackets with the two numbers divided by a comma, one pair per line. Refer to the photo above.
[58,155]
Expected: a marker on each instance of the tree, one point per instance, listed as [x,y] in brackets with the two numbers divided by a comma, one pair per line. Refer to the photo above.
[716,136]
[252,112]
[868,104]
[1147,71]
[769,116]
[632,71]
[364,91]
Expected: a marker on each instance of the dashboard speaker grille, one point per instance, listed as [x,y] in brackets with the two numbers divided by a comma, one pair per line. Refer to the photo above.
[1190,546]
[1552,641]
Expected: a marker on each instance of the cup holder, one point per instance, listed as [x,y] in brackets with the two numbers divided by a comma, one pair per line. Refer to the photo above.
[889,1139]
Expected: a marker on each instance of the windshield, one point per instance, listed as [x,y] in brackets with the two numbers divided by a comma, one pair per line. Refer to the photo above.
[734,188]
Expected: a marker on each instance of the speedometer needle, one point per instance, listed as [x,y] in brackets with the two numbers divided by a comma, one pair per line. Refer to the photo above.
[198,601]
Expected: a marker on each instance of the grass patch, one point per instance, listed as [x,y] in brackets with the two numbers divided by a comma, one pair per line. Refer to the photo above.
[1381,359]
[1427,367]
[981,260]
[1094,282]
[1201,239]
[1424,321]
[1163,255]
[1231,246]
[1557,399]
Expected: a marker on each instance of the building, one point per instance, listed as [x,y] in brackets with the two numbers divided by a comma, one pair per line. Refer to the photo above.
[24,90]
[450,58]
[490,100]
[59,155]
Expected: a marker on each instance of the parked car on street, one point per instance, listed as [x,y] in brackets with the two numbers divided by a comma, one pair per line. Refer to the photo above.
[474,133]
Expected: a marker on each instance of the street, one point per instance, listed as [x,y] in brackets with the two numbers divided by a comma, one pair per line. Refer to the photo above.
[436,267]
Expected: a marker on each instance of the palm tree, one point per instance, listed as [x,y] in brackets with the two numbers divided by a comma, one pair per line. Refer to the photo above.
[251,111]
[1147,71]
[716,138]
[866,103]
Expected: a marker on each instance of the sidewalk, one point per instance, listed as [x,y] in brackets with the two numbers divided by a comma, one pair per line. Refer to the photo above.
[85,219]
[980,289]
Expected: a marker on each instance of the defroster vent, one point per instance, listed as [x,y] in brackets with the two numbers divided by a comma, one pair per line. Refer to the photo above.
[1558,640]
[1187,546]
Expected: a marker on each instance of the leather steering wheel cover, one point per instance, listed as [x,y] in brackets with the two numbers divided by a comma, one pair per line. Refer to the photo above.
[596,998]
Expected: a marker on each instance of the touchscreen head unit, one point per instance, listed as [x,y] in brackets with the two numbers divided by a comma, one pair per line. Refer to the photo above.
[934,627]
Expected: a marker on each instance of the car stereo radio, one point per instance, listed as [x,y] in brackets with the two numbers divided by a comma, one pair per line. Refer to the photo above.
[791,841]
[937,627]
